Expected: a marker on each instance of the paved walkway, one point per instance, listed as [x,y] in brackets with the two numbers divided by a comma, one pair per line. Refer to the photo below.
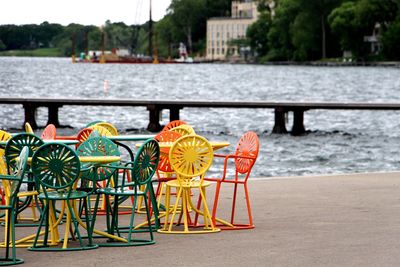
[343,220]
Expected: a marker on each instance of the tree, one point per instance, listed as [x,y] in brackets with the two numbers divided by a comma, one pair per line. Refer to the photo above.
[257,34]
[190,17]
[391,41]
[354,20]
[279,35]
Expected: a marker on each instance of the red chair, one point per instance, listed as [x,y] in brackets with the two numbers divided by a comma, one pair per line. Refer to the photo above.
[173,124]
[83,135]
[244,158]
[49,133]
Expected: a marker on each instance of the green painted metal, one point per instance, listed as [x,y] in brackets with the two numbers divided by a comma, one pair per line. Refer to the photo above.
[15,145]
[98,146]
[15,181]
[56,168]
[142,170]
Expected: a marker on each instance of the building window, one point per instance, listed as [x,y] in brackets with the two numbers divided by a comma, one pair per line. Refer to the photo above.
[217,51]
[222,42]
[223,51]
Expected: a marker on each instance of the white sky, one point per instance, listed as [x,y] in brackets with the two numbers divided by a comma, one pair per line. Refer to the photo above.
[86,12]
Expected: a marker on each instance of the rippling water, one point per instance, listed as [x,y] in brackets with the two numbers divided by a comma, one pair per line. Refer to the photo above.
[337,142]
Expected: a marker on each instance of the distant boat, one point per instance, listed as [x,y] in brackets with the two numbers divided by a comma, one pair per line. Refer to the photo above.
[123,56]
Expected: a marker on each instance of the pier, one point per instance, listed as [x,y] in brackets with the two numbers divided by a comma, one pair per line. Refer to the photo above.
[155,107]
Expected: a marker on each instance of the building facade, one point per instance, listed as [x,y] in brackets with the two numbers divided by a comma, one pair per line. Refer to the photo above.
[222,30]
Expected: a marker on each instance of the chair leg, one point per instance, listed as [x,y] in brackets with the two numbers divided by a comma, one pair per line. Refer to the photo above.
[216,198]
[149,221]
[8,229]
[167,203]
[234,204]
[248,204]
[174,211]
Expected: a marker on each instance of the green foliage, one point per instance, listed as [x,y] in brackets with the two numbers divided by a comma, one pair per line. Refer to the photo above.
[279,35]
[354,20]
[257,34]
[189,16]
[2,46]
[40,52]
[391,41]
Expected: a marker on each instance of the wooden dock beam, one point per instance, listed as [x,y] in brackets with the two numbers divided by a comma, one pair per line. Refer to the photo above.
[155,108]
[280,122]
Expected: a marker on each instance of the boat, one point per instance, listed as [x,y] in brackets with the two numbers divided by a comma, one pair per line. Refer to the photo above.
[123,56]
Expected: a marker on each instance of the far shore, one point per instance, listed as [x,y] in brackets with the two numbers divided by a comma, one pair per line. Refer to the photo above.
[53,52]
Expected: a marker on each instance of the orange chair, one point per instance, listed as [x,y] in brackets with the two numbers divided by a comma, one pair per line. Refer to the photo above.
[49,133]
[164,172]
[244,158]
[173,124]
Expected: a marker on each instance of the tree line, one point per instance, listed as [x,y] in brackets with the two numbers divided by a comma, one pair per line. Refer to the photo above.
[301,30]
[185,22]
[293,30]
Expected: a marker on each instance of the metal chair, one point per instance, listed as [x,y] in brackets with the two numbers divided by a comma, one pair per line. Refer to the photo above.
[12,183]
[190,157]
[56,168]
[173,124]
[110,127]
[243,159]
[142,170]
[28,128]
[183,129]
[12,151]
[49,133]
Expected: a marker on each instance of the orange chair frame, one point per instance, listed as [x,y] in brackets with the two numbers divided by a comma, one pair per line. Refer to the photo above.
[244,158]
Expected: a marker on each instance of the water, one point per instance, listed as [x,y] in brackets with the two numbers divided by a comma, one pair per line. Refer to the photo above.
[338,141]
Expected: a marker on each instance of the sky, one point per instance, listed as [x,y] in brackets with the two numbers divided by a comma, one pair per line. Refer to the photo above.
[86,12]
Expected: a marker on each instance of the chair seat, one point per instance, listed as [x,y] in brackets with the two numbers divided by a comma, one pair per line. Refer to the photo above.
[119,191]
[192,184]
[63,195]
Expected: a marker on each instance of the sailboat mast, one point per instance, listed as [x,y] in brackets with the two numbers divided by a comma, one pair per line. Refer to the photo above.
[150,33]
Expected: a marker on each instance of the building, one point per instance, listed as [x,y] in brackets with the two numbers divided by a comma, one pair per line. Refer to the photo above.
[221,30]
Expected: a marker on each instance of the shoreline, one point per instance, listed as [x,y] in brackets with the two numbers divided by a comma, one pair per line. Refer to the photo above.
[271,63]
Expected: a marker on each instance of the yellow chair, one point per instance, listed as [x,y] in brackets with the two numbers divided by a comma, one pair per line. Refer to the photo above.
[111,128]
[28,128]
[101,130]
[184,129]
[190,156]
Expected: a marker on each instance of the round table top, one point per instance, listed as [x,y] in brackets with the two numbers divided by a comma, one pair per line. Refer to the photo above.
[131,137]
[99,159]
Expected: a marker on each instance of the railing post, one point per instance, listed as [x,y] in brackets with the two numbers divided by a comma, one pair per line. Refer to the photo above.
[174,114]
[53,115]
[298,123]
[154,118]
[30,115]
[280,124]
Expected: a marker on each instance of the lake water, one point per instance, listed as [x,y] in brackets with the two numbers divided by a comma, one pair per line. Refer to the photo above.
[337,142]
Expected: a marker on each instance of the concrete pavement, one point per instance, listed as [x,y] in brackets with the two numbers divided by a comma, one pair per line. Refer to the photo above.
[336,220]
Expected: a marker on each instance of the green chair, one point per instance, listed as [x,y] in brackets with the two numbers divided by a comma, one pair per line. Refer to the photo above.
[12,184]
[141,170]
[12,150]
[56,168]
[15,145]
[96,146]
